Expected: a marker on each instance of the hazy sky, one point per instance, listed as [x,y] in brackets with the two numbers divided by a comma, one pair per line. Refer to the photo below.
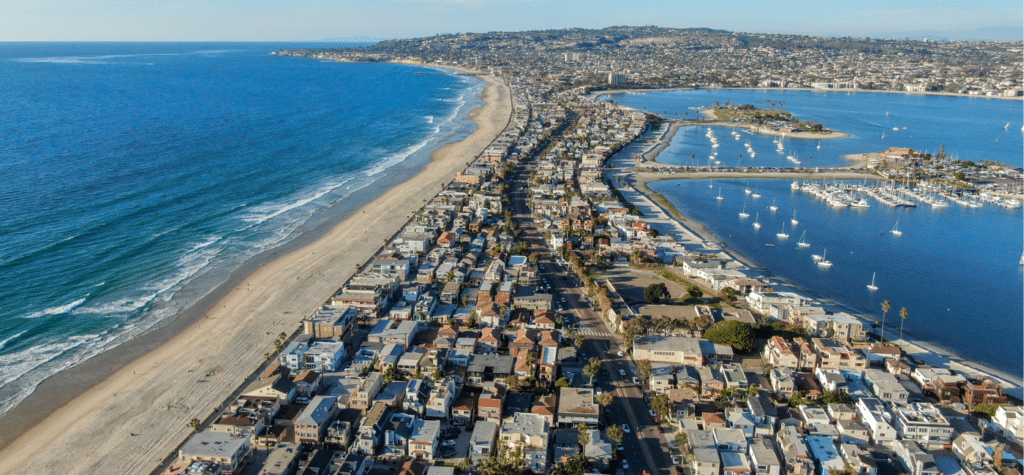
[316,20]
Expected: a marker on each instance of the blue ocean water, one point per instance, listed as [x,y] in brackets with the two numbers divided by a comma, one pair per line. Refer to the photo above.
[137,176]
[955,269]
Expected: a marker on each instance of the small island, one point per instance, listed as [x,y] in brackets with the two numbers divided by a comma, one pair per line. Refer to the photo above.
[769,121]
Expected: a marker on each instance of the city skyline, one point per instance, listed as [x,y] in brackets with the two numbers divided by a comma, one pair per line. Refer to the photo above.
[317,21]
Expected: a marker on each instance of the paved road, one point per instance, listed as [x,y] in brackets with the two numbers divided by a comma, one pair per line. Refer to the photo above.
[644,447]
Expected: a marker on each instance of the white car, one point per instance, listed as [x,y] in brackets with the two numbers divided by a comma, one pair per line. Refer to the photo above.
[622,372]
[625,464]
[625,428]
[621,354]
[653,414]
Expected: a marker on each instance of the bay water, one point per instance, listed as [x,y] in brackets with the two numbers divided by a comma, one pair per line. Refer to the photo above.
[957,270]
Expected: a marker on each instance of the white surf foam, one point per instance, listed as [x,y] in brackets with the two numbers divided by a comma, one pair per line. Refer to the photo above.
[58,310]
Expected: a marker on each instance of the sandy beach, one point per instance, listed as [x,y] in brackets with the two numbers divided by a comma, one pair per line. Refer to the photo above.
[129,421]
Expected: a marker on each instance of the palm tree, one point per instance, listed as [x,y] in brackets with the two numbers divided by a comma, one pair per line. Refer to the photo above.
[904,313]
[886,306]
[583,430]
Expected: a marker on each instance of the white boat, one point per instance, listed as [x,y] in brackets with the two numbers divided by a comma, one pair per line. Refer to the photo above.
[861,203]
[719,197]
[712,183]
[872,285]
[794,221]
[896,229]
[744,213]
[755,194]
[747,189]
[824,262]
[803,241]
[773,207]
[783,234]
[794,186]
[757,225]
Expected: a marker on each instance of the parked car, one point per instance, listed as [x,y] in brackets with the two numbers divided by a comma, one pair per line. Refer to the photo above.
[625,428]
[622,372]
[625,464]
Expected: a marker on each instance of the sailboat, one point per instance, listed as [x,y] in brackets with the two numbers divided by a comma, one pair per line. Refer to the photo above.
[744,213]
[895,229]
[756,194]
[719,197]
[872,285]
[757,225]
[773,207]
[747,189]
[803,241]
[819,145]
[824,262]
[712,183]
[794,221]
[783,234]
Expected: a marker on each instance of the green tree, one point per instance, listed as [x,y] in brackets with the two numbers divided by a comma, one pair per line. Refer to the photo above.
[577,465]
[437,375]
[592,369]
[614,432]
[605,399]
[584,432]
[195,424]
[662,405]
[886,306]
[734,333]
[654,293]
[579,341]
[563,383]
[643,370]
[904,313]
[390,374]
[682,439]
[695,294]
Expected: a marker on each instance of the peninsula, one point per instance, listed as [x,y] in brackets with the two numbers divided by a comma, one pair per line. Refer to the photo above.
[526,305]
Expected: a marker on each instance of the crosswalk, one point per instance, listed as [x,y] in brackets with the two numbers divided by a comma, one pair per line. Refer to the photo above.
[596,334]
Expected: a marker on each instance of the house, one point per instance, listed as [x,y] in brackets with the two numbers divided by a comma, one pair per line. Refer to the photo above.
[853,432]
[794,453]
[247,416]
[528,432]
[662,377]
[491,340]
[371,429]
[711,383]
[317,355]
[705,453]
[363,396]
[923,423]
[481,443]
[763,458]
[783,381]
[394,331]
[483,368]
[424,438]
[312,424]
[878,420]
[780,354]
[441,399]
[565,444]
[232,453]
[599,450]
[885,386]
[273,383]
[826,455]
[914,459]
[576,405]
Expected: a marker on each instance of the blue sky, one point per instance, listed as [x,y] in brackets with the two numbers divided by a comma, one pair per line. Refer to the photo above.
[316,20]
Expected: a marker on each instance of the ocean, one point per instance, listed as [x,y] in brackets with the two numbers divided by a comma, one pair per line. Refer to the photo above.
[137,176]
[956,270]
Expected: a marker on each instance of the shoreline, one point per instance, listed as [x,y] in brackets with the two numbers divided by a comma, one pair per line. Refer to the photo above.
[598,94]
[133,402]
[929,352]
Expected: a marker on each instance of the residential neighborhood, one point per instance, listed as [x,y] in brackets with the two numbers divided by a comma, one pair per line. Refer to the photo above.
[531,319]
